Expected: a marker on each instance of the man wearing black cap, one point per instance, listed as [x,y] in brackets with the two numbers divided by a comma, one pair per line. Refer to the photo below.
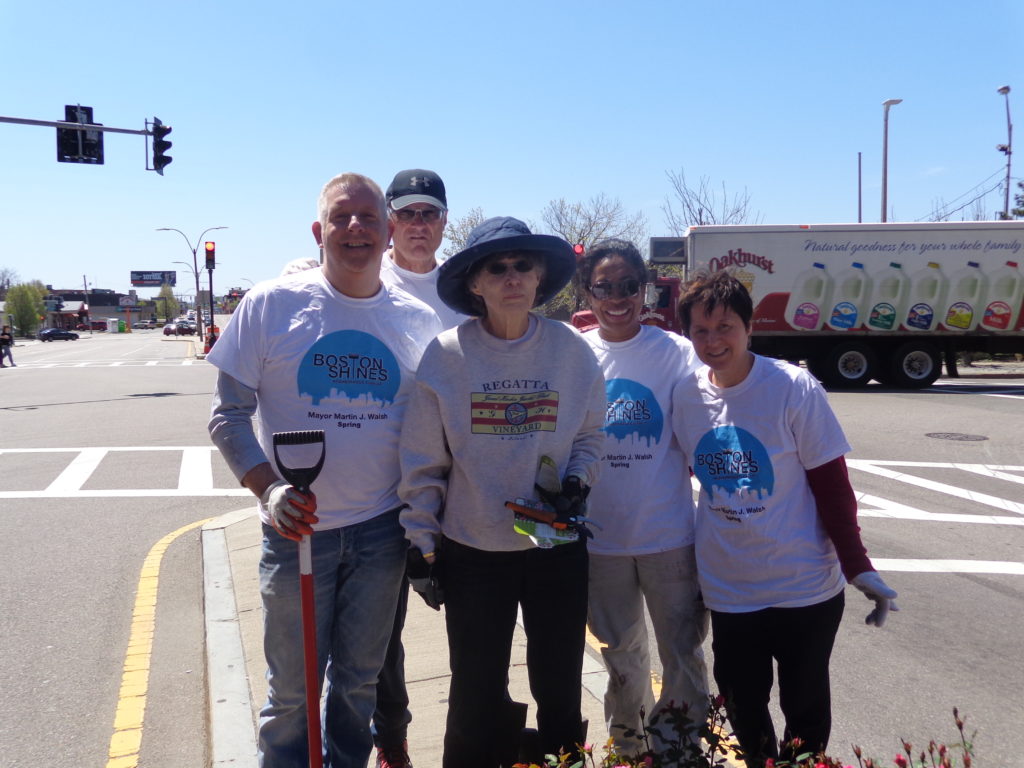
[419,210]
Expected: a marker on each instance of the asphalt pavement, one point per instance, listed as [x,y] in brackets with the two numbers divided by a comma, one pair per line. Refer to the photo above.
[236,666]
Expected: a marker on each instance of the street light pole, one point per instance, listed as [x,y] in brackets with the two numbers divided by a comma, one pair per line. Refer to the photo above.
[195,267]
[1007,149]
[885,152]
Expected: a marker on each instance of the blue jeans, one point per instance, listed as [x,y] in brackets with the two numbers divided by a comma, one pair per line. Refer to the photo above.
[357,572]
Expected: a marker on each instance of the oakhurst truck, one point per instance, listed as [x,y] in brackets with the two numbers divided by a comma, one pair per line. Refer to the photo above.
[870,301]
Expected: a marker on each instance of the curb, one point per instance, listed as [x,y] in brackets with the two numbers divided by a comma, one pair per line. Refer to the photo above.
[232,735]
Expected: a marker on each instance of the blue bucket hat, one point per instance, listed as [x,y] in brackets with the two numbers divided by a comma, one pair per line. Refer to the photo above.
[503,234]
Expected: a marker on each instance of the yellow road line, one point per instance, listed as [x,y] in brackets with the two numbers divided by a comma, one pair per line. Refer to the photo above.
[131,705]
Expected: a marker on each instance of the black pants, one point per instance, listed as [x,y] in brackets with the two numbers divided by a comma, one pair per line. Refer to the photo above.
[800,640]
[483,592]
[391,718]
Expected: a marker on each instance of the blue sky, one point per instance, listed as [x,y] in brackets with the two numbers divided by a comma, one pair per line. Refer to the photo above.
[514,104]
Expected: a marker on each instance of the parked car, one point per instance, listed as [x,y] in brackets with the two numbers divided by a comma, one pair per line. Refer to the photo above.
[49,334]
[185,328]
[170,329]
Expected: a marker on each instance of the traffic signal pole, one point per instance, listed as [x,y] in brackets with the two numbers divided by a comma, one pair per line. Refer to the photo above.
[156,129]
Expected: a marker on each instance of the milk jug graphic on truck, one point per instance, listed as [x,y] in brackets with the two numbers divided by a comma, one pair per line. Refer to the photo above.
[966,299]
[928,287]
[889,298]
[1004,298]
[809,299]
[850,298]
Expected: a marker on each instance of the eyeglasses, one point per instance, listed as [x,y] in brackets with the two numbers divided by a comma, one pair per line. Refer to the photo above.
[499,268]
[427,215]
[623,289]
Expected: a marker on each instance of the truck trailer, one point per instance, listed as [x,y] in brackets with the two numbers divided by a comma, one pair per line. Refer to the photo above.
[858,302]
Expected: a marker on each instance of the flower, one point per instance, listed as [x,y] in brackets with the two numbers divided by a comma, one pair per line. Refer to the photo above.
[901,761]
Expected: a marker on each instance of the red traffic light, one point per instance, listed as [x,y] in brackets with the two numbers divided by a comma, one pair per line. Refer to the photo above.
[579,250]
[211,254]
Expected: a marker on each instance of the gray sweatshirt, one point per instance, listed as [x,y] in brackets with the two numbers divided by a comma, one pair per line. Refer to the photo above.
[482,414]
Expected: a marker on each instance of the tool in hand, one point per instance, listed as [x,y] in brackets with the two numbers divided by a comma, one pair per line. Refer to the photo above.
[302,478]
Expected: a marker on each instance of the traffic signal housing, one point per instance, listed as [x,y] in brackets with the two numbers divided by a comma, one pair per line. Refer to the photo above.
[160,146]
[211,254]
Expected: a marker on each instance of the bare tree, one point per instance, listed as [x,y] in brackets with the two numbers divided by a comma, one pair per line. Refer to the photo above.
[587,223]
[690,206]
[456,232]
[599,218]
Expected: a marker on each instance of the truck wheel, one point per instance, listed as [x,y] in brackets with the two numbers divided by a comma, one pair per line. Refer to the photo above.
[914,365]
[847,365]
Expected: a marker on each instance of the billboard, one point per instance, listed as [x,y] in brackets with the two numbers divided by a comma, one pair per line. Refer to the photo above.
[154,279]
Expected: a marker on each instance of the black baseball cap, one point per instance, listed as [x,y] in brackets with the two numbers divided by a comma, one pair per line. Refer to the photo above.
[416,186]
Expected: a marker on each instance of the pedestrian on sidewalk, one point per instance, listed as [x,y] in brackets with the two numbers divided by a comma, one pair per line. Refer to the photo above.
[493,396]
[6,345]
[644,505]
[418,209]
[776,527]
[332,349]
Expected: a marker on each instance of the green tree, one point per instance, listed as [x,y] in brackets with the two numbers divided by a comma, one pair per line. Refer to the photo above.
[25,304]
[167,305]
[1018,200]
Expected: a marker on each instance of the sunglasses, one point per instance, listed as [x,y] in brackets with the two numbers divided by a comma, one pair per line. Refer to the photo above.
[623,289]
[499,268]
[427,216]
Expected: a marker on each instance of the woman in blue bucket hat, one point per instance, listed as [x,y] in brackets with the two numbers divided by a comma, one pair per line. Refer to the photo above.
[503,427]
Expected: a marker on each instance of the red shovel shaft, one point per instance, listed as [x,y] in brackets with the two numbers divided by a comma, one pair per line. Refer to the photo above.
[316,759]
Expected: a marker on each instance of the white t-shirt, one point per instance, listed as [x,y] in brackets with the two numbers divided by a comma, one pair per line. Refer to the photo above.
[642,499]
[422,285]
[760,542]
[321,360]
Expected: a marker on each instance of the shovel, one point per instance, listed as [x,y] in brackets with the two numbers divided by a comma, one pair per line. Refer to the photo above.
[301,478]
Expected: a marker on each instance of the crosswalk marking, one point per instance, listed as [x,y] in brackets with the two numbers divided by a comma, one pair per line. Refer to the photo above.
[974,497]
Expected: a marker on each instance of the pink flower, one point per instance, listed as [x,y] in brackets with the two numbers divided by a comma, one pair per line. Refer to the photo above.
[649,760]
[901,761]
[769,763]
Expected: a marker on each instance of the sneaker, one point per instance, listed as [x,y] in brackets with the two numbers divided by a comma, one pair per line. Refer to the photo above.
[394,757]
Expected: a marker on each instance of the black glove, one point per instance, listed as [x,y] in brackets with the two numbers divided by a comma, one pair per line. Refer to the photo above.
[423,577]
[569,503]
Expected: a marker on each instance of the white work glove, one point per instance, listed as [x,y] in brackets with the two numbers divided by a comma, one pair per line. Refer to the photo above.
[291,513]
[871,584]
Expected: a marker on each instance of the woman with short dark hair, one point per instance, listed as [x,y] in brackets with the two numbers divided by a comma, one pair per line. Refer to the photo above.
[776,529]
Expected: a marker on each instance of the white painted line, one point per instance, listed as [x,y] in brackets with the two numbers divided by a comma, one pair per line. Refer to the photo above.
[972,496]
[986,471]
[126,493]
[152,362]
[894,510]
[196,471]
[949,566]
[77,472]
[133,448]
[117,364]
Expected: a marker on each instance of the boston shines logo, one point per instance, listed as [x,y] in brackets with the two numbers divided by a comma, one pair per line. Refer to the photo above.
[349,364]
[733,466]
[632,411]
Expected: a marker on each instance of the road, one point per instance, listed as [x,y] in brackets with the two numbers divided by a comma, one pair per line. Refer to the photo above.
[105,470]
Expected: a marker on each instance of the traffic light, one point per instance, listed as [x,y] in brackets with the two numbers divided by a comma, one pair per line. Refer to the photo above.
[579,250]
[160,146]
[211,254]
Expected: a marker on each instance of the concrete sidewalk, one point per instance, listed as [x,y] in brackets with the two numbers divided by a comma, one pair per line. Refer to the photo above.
[235,663]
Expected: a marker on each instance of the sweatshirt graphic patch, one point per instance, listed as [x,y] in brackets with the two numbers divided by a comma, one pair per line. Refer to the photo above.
[349,364]
[498,413]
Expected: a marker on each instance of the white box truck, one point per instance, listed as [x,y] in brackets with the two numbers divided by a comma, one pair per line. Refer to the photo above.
[870,301]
